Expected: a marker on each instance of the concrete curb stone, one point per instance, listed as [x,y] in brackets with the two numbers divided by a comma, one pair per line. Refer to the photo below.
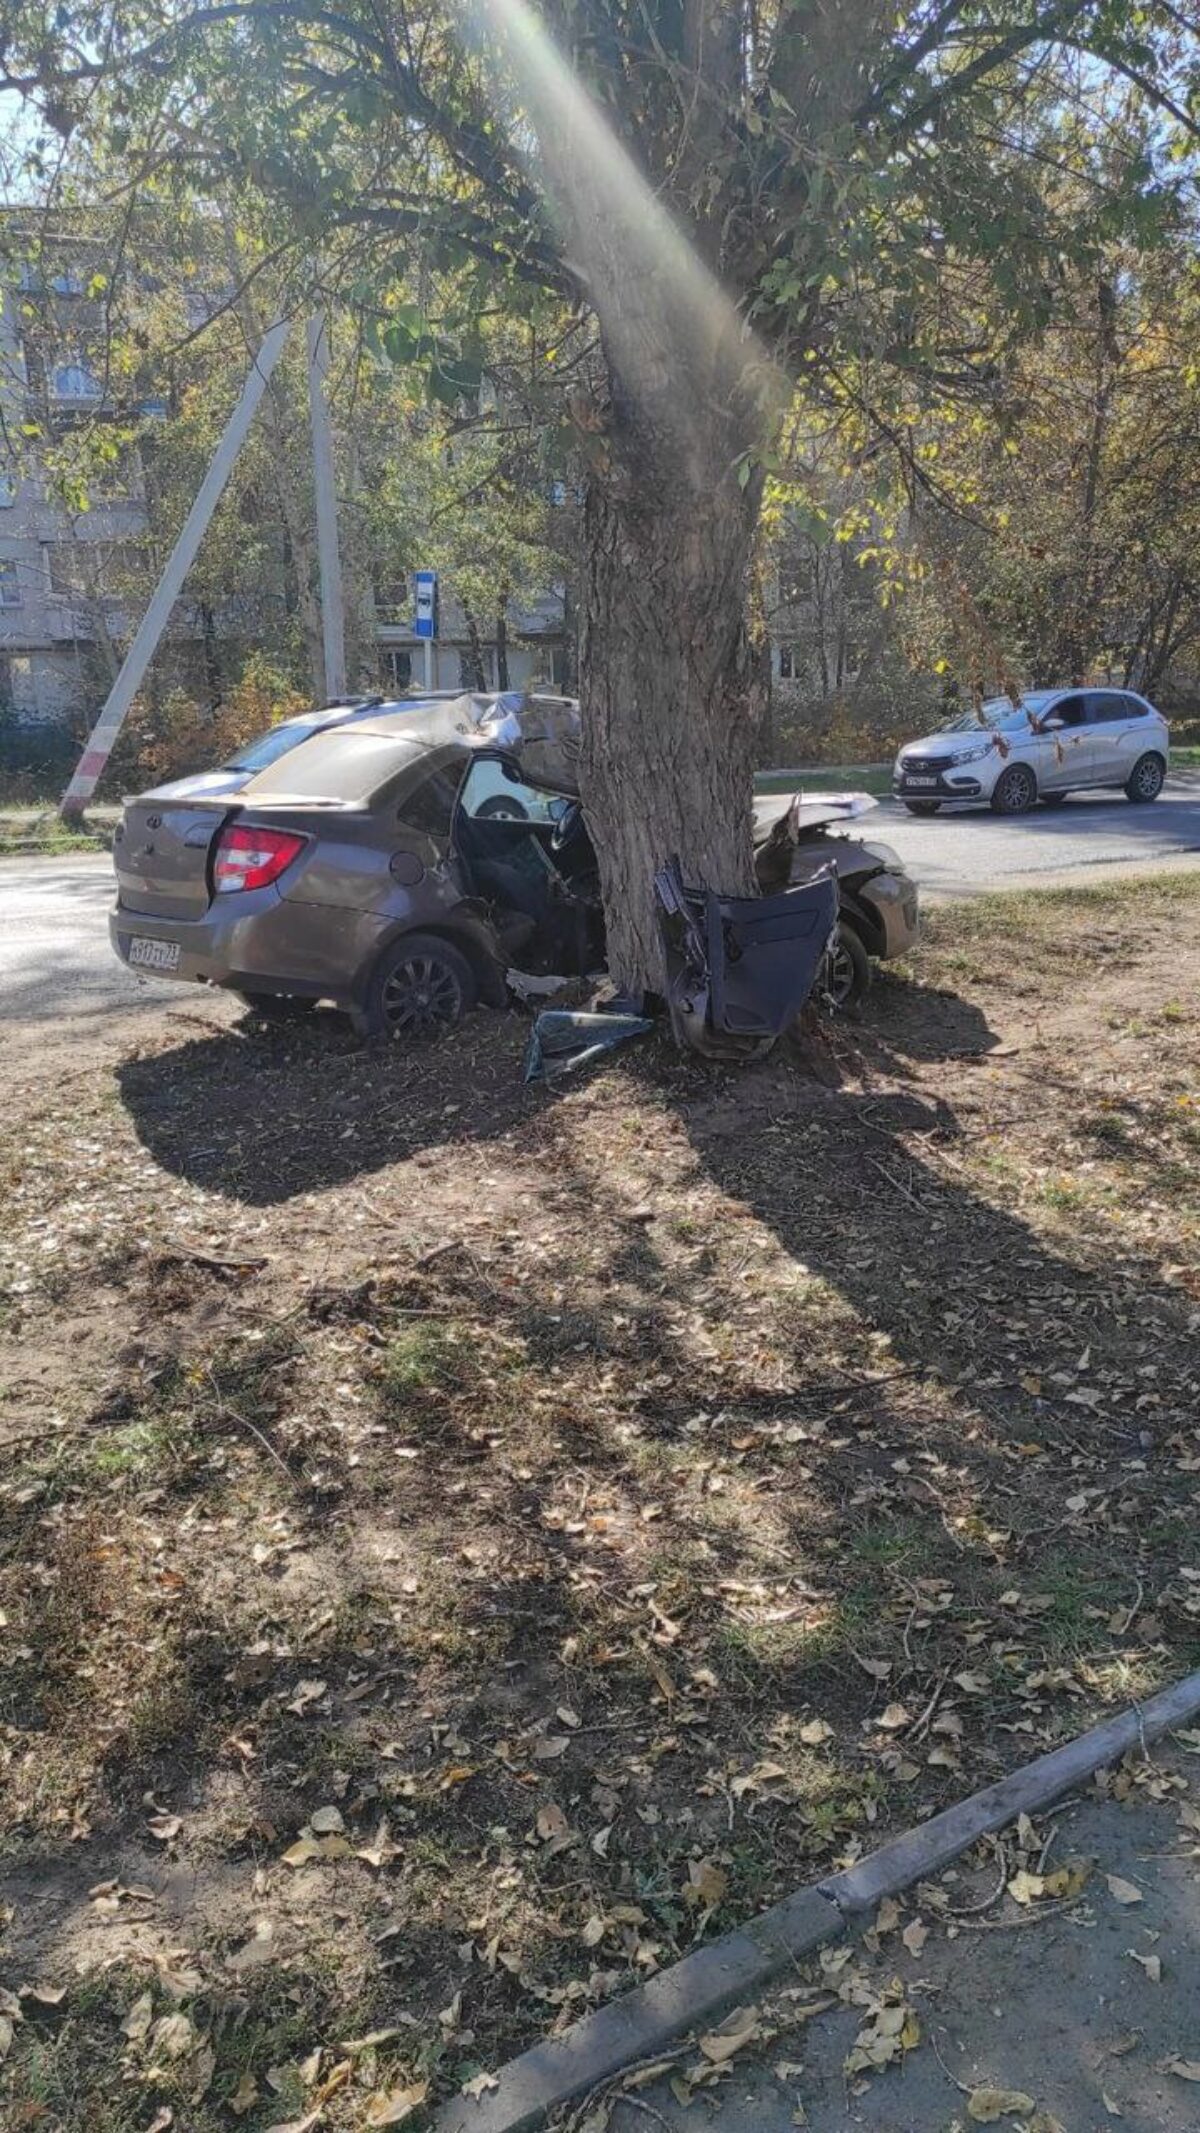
[713,1979]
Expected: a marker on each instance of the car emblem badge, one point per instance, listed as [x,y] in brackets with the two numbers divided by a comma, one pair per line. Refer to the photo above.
[153,822]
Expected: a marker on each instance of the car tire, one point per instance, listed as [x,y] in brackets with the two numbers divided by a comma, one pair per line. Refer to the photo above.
[420,988]
[1053,799]
[1145,781]
[846,972]
[278,1006]
[501,809]
[922,807]
[1015,790]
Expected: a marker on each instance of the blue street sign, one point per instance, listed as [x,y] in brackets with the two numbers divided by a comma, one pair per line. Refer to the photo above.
[425,621]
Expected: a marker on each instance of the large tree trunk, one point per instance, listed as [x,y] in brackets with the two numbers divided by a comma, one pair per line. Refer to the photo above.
[667,683]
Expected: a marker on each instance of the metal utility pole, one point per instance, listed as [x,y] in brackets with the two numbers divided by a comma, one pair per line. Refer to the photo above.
[170,585]
[333,612]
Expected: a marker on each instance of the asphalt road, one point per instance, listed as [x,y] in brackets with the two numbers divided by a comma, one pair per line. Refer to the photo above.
[55,961]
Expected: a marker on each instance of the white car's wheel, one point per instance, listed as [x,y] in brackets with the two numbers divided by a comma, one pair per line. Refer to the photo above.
[1145,780]
[1015,790]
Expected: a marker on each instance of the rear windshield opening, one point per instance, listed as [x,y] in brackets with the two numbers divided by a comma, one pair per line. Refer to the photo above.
[342,765]
[267,749]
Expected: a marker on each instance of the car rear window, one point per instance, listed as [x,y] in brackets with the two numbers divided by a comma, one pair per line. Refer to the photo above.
[261,753]
[341,765]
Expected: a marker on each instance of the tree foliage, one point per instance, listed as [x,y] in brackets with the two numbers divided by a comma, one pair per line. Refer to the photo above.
[881,202]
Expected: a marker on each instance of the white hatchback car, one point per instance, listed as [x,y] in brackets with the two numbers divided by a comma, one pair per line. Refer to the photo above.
[1056,742]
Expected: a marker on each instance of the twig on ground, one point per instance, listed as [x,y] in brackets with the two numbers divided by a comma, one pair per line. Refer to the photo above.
[920,1726]
[244,1422]
[963,2087]
[894,1182]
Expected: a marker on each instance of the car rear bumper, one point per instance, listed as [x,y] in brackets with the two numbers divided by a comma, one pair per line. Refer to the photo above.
[265,944]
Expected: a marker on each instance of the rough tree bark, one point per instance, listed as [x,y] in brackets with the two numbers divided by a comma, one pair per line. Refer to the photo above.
[669,689]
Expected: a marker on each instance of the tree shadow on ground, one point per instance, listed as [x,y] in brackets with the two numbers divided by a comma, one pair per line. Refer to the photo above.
[264,1117]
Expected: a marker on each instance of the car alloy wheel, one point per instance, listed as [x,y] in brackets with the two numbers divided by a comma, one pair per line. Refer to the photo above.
[1016,790]
[1146,778]
[846,971]
[421,997]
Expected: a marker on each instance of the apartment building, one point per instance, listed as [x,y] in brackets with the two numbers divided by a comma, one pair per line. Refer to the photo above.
[62,613]
[73,583]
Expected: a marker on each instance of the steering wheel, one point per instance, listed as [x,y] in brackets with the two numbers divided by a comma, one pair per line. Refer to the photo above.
[570,820]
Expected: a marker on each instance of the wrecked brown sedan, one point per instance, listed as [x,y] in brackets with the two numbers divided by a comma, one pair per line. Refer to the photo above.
[402,865]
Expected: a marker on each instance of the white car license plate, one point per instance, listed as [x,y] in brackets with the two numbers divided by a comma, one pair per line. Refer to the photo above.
[146,954]
[910,780]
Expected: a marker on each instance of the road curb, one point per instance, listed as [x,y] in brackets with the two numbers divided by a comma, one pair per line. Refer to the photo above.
[714,1978]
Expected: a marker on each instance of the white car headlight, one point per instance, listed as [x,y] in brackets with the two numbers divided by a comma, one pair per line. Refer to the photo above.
[972,755]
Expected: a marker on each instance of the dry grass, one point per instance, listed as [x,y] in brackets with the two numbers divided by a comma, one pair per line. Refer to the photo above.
[616,1507]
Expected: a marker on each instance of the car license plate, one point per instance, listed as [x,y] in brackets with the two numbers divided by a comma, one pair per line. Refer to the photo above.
[153,955]
[910,780]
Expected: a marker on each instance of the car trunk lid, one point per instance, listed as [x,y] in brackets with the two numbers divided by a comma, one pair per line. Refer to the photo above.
[162,855]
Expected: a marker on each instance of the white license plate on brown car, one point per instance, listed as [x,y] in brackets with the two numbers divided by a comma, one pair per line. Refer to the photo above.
[147,954]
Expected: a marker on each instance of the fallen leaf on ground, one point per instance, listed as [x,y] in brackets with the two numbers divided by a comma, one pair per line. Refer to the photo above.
[173,2035]
[327,1822]
[894,2031]
[739,2030]
[552,1822]
[244,2097]
[893,1717]
[1124,1891]
[382,1850]
[1070,1878]
[1026,1887]
[705,1885]
[137,2022]
[985,2106]
[164,1827]
[815,1731]
[299,1853]
[1151,1964]
[392,2108]
[479,2085]
[1183,2069]
[915,1936]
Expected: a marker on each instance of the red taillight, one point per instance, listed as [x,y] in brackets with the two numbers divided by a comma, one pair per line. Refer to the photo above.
[250,858]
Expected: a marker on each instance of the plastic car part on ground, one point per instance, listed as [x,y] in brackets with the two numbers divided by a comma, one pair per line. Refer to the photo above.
[740,968]
[563,1039]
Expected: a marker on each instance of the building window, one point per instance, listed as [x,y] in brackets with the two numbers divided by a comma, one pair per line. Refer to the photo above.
[10,589]
[395,668]
[75,381]
[789,663]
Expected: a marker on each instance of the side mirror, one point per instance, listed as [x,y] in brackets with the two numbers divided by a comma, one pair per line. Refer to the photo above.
[1052,725]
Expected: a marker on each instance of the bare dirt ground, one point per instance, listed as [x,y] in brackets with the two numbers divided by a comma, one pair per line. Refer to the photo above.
[461,1545]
